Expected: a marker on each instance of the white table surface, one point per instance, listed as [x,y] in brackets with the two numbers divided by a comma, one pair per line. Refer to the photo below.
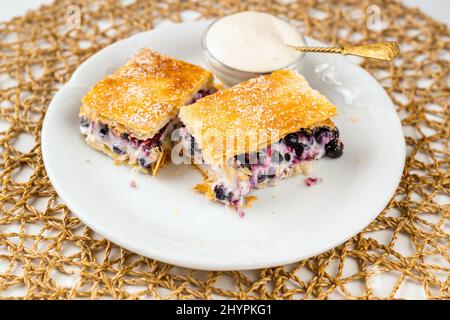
[438,9]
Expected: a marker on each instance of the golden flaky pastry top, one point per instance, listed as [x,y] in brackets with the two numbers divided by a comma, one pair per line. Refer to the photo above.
[144,94]
[254,114]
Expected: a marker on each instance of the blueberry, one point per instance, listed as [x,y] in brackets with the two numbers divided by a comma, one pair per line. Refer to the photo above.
[299,149]
[306,132]
[287,157]
[271,176]
[220,192]
[147,149]
[291,140]
[117,150]
[124,136]
[261,177]
[144,162]
[194,146]
[319,132]
[103,132]
[211,90]
[84,122]
[276,157]
[335,132]
[334,148]
[134,141]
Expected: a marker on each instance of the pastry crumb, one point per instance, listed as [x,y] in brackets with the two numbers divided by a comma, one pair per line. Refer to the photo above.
[353,118]
[306,167]
[310,181]
[274,196]
[133,184]
[250,200]
[240,212]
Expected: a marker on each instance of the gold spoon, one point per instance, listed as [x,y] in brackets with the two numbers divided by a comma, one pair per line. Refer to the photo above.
[381,51]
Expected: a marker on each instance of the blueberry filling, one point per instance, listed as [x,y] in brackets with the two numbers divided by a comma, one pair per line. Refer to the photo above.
[334,149]
[262,177]
[269,165]
[145,144]
[322,133]
[306,144]
[203,93]
[84,122]
[144,162]
[143,152]
[194,147]
[219,192]
[103,132]
[319,133]
[117,150]
[298,149]
[291,139]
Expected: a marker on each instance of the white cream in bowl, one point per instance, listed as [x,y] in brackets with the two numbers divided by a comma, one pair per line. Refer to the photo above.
[250,43]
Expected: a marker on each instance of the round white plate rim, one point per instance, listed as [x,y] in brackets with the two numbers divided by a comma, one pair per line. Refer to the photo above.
[172,259]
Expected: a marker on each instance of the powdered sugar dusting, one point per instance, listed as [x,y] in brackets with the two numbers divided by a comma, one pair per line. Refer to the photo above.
[279,103]
[145,93]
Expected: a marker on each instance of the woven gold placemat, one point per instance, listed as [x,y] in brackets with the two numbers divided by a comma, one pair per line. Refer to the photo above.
[46,252]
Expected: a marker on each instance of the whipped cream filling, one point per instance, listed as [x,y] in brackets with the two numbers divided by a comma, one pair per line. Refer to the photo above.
[267,166]
[143,152]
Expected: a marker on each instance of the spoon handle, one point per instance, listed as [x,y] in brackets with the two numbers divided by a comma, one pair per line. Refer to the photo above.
[381,51]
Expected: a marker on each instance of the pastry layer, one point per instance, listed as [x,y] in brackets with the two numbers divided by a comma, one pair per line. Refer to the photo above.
[231,182]
[258,112]
[145,94]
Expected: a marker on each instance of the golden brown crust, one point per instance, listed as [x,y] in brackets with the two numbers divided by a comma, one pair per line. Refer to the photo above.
[144,94]
[259,112]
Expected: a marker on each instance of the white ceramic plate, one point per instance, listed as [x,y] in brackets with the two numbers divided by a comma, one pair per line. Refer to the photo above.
[162,217]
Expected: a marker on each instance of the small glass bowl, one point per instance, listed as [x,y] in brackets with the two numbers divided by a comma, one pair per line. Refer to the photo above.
[230,76]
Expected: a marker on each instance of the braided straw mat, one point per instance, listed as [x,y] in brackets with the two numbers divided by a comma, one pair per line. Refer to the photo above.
[47,253]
